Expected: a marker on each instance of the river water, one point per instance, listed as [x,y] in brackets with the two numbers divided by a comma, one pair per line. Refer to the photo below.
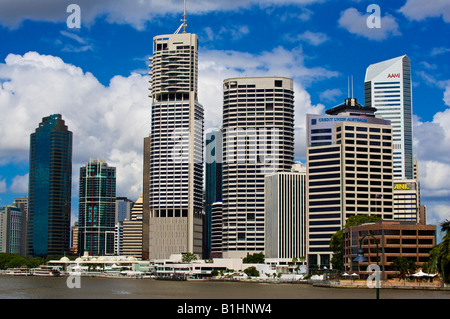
[17,287]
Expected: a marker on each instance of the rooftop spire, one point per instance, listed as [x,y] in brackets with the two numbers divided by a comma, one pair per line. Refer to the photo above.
[183,25]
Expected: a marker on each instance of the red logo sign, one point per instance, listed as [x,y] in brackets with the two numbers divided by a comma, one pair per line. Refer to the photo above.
[393,75]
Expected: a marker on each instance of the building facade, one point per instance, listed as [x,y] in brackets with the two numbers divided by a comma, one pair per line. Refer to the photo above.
[394,239]
[388,89]
[49,188]
[176,148]
[406,200]
[97,208]
[258,139]
[352,176]
[213,184]
[133,231]
[12,233]
[286,214]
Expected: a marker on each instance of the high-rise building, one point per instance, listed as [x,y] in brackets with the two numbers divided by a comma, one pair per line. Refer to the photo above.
[176,147]
[49,188]
[146,198]
[258,139]
[406,200]
[388,89]
[123,209]
[286,214]
[132,231]
[97,208]
[351,176]
[22,204]
[213,184]
[11,230]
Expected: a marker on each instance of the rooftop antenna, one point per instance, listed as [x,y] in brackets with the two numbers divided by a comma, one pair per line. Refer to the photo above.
[352,86]
[183,25]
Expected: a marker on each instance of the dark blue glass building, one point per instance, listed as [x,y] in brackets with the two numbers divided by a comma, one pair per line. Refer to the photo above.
[50,186]
[97,209]
[213,184]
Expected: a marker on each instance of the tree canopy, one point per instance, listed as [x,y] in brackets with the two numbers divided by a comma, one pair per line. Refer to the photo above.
[257,258]
[337,241]
[440,255]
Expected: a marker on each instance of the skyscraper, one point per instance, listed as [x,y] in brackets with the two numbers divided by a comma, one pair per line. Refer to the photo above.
[351,175]
[388,89]
[50,185]
[258,139]
[176,147]
[286,214]
[213,184]
[97,208]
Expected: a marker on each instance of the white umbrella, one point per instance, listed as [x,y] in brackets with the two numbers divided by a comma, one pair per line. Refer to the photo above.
[345,274]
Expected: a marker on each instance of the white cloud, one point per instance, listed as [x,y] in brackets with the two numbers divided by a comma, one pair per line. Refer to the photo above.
[356,23]
[420,10]
[19,184]
[108,122]
[3,187]
[330,94]
[133,12]
[314,38]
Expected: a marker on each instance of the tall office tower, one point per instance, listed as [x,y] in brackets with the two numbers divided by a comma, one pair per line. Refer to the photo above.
[132,231]
[97,208]
[213,184]
[352,175]
[146,198]
[22,204]
[11,230]
[49,188]
[406,200]
[176,151]
[286,214]
[388,89]
[258,139]
[74,241]
[123,209]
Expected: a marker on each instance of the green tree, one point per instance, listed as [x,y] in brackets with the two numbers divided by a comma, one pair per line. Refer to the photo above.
[439,260]
[257,258]
[401,265]
[337,240]
[188,257]
[251,271]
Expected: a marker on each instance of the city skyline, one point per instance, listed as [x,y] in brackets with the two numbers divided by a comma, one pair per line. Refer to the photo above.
[97,76]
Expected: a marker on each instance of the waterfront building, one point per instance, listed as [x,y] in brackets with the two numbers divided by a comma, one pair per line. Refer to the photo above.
[258,139]
[352,175]
[406,200]
[286,214]
[132,231]
[395,239]
[213,185]
[97,208]
[12,230]
[176,147]
[118,239]
[50,188]
[388,89]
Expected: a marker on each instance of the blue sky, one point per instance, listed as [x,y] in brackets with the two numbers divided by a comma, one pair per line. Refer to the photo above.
[96,76]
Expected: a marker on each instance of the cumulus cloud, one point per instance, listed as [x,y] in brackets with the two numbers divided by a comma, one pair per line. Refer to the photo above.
[356,23]
[19,184]
[111,121]
[420,10]
[313,38]
[103,119]
[133,12]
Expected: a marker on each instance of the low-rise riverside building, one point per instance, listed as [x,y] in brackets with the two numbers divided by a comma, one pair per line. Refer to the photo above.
[394,239]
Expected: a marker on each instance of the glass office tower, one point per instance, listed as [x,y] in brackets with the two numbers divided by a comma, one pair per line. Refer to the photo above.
[50,185]
[213,185]
[97,207]
[388,89]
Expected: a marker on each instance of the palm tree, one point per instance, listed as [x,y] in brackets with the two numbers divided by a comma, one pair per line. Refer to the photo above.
[440,254]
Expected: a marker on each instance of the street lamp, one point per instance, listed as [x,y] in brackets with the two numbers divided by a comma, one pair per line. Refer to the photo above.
[360,257]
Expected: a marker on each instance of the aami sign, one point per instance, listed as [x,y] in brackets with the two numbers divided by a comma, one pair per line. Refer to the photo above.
[393,75]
